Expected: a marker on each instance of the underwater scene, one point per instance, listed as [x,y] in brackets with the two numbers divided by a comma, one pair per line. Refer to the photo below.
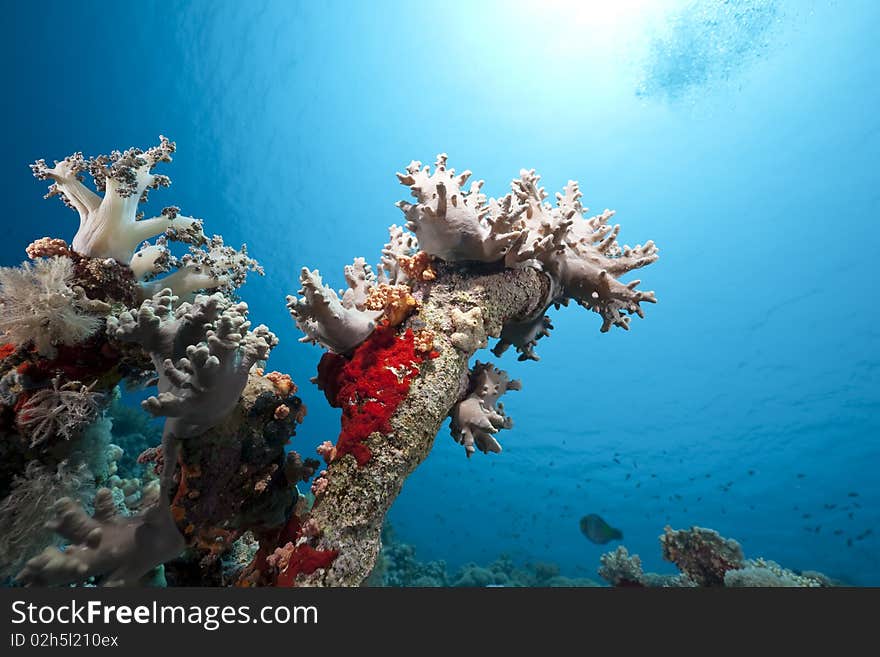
[561,293]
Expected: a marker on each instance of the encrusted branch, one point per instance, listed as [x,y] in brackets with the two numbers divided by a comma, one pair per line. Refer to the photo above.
[474,268]
[352,507]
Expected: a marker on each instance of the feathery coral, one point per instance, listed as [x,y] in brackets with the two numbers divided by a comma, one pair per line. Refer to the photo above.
[24,512]
[63,410]
[39,305]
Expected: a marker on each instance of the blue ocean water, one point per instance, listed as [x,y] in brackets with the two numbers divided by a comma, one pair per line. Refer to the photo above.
[743,137]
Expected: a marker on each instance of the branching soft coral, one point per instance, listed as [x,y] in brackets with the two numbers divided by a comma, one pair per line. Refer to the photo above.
[580,254]
[203,352]
[451,223]
[112,227]
[199,347]
[479,416]
[339,325]
[39,304]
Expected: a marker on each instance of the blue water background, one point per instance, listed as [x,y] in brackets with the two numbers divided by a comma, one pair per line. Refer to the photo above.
[742,137]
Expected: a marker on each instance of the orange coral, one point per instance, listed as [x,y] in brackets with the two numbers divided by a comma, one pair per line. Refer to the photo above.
[47,247]
[418,267]
[424,341]
[327,450]
[283,383]
[281,412]
[395,300]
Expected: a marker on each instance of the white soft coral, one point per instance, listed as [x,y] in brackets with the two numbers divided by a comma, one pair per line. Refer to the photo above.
[111,226]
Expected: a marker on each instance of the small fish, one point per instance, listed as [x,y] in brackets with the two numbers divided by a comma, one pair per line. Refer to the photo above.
[598,531]
[853,495]
[801,475]
[751,472]
[830,506]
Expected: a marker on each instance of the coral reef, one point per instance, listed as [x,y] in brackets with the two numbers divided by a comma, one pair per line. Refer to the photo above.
[705,559]
[399,344]
[701,554]
[108,318]
[397,566]
[619,568]
[203,353]
[470,269]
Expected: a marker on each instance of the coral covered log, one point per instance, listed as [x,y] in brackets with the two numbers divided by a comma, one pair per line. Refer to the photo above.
[355,495]
[471,269]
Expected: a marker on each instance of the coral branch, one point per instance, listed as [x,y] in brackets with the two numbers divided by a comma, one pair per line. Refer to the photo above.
[474,269]
[354,497]
[479,416]
[321,315]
